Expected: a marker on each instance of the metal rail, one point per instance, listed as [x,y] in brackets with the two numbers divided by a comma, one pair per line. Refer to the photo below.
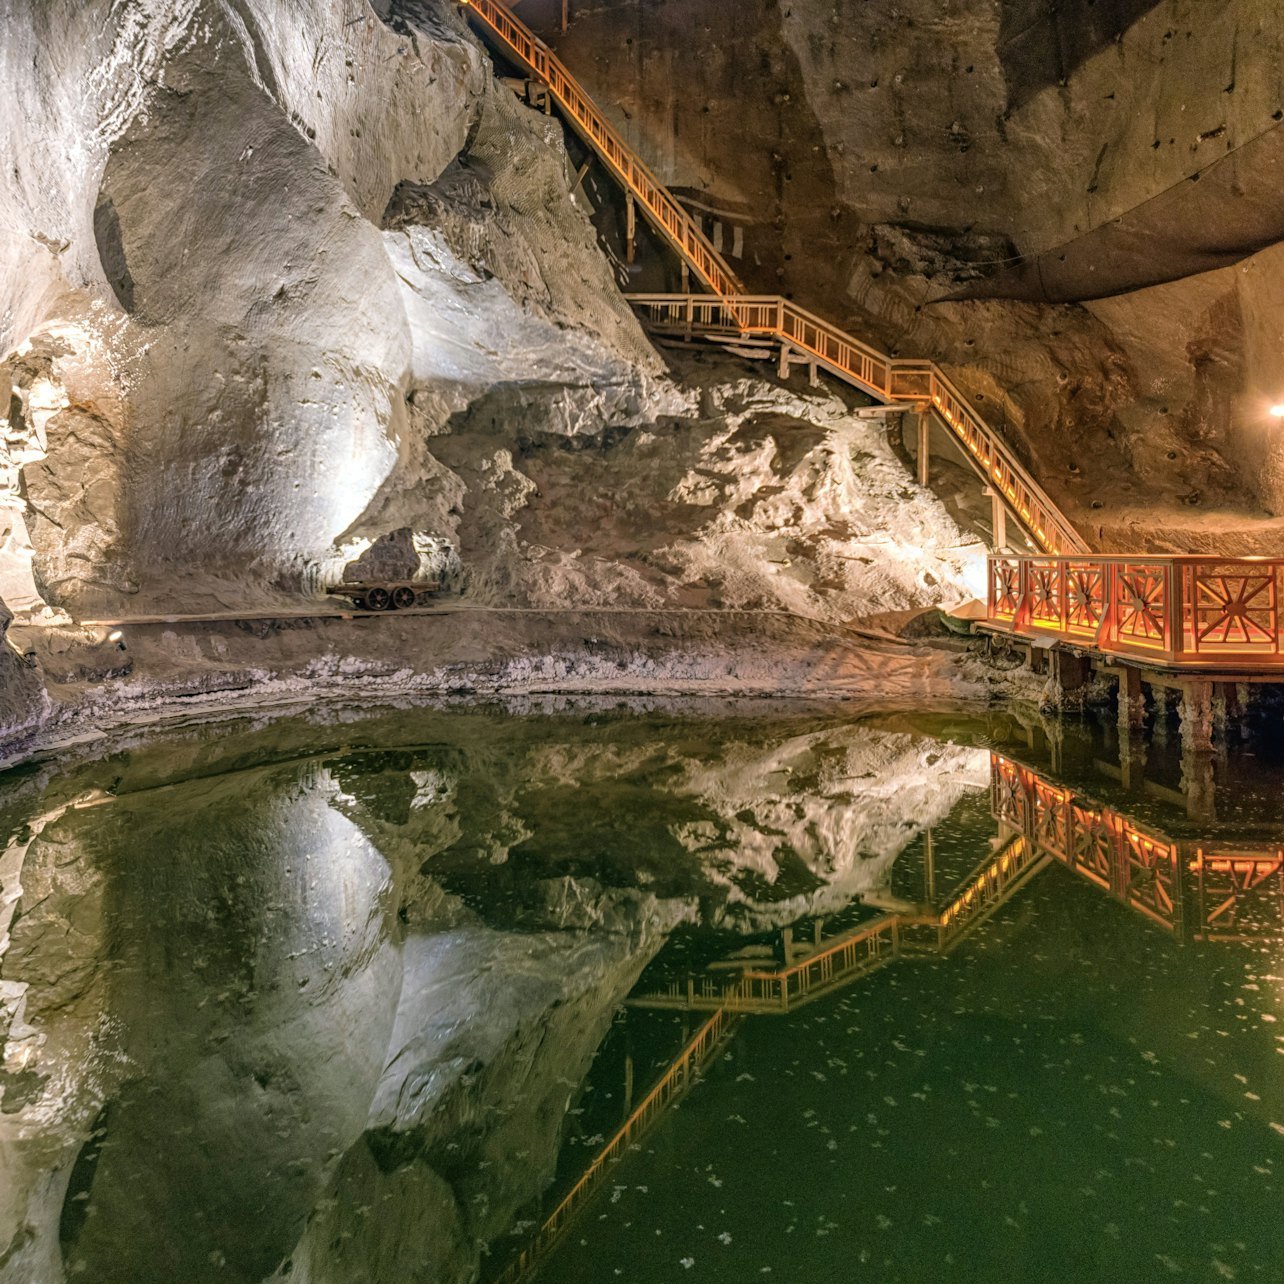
[664,213]
[1217,614]
[703,1048]
[921,383]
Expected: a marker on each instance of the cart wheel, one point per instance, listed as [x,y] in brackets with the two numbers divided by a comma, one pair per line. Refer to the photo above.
[377,599]
[403,597]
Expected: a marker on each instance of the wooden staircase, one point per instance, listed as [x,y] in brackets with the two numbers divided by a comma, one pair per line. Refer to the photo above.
[731,315]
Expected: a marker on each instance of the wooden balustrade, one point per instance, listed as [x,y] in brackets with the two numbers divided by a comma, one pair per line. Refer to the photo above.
[734,314]
[987,889]
[701,1049]
[920,383]
[1211,613]
[674,224]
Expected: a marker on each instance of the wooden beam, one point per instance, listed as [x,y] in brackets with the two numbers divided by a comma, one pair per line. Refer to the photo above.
[580,173]
[924,447]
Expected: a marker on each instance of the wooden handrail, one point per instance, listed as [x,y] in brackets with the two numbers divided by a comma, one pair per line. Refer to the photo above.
[708,1039]
[664,213]
[1186,611]
[1190,888]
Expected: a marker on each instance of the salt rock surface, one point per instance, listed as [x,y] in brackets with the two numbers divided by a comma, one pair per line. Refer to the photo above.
[876,157]
[283,282]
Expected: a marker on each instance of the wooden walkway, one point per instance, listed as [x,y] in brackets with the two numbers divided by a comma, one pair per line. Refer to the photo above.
[1194,614]
[731,316]
[1205,890]
[921,386]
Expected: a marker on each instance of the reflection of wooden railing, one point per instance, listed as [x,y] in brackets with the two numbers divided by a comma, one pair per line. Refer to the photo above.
[668,217]
[920,383]
[860,951]
[1206,890]
[1196,612]
[987,889]
[852,955]
[706,1044]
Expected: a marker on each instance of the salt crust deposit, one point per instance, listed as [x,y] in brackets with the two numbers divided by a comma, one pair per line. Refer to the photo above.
[464,1035]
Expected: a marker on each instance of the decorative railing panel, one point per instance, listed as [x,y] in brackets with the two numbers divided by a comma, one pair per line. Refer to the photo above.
[1194,612]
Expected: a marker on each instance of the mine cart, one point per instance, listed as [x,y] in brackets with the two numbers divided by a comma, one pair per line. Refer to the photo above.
[384,595]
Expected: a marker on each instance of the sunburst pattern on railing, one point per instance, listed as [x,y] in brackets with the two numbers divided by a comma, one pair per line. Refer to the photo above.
[1191,612]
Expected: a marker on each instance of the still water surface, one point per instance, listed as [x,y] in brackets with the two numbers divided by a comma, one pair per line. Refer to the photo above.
[350,1001]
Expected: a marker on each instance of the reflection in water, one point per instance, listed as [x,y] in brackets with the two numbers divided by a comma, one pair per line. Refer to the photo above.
[335,1003]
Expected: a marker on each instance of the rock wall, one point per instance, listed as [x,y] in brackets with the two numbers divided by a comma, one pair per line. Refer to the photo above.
[884,156]
[307,278]
[204,287]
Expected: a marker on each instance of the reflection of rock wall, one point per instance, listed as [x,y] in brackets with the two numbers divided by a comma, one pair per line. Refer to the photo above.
[326,1017]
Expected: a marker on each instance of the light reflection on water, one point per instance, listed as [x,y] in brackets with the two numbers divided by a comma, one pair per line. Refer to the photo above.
[286,976]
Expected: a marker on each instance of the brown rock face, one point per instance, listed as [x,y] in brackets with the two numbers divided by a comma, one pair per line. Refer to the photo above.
[886,157]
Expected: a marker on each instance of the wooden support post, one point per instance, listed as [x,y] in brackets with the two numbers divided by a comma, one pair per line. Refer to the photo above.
[1057,747]
[628,1084]
[787,945]
[813,375]
[924,448]
[929,868]
[999,514]
[1163,701]
[1197,717]
[686,278]
[565,14]
[1227,714]
[1132,702]
[1070,674]
[783,368]
[1199,784]
[1132,762]
[581,173]
[630,226]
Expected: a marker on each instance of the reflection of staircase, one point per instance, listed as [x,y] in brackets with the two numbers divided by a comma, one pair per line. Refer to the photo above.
[708,1042]
[730,316]
[854,954]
